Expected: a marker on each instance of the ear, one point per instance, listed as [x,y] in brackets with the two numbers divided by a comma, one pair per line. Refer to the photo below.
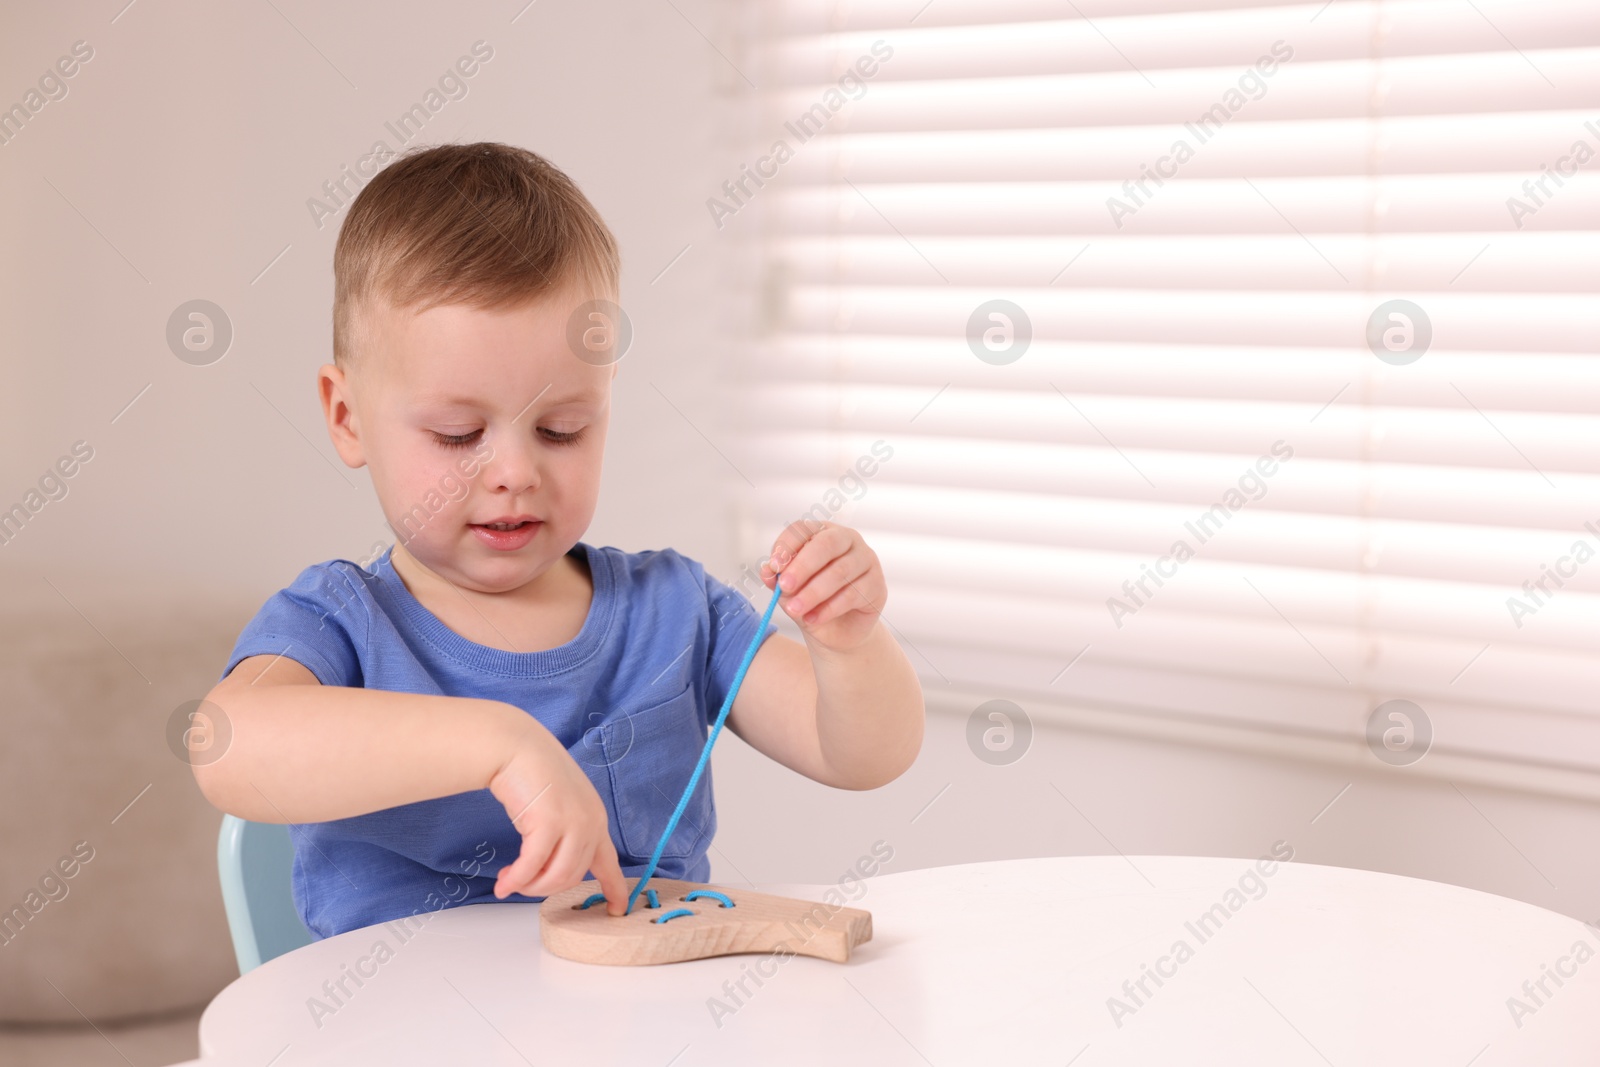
[343,427]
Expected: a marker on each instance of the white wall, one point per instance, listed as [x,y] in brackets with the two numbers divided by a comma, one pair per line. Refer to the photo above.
[1095,791]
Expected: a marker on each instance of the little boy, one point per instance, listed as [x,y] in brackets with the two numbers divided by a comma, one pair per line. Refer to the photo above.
[495,706]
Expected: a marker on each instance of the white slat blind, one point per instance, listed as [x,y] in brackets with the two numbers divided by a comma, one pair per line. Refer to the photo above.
[1441,153]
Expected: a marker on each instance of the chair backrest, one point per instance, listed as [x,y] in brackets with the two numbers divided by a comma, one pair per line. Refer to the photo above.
[255,862]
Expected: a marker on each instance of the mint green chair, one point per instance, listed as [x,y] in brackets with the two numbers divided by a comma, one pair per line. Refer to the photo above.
[254,863]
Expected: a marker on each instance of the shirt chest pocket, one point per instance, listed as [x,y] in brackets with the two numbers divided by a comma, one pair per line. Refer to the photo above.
[650,756]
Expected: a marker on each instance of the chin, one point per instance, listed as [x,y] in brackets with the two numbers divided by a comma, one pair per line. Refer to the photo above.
[523,562]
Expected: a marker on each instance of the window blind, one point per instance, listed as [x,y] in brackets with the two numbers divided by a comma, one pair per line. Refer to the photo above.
[1201,217]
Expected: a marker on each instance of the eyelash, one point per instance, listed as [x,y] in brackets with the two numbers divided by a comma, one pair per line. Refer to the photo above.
[464,440]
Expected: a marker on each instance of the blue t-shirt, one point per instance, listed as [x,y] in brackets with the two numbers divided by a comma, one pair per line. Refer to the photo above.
[631,697]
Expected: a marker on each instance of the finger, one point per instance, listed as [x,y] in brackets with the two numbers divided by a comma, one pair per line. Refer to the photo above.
[535,853]
[564,870]
[605,867]
[792,537]
[825,546]
[840,573]
[844,601]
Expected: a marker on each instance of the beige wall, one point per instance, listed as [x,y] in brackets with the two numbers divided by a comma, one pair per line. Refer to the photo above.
[191,142]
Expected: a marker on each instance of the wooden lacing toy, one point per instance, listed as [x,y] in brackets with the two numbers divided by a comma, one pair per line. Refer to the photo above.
[688,921]
[717,924]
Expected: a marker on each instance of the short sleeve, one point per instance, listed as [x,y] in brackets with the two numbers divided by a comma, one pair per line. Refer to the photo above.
[733,623]
[321,622]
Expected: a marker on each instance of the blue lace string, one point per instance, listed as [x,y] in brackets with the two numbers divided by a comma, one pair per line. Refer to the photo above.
[705,753]
[726,901]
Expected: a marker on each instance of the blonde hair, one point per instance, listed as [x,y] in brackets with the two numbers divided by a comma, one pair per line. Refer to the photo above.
[488,225]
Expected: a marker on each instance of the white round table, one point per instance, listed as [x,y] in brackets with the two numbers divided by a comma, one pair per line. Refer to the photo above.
[1081,960]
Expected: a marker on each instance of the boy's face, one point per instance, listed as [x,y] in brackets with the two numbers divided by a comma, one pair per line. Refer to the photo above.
[495,392]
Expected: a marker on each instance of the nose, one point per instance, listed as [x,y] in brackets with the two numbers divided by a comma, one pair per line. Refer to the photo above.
[514,466]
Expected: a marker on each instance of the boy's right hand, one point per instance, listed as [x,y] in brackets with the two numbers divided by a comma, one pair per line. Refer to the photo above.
[561,818]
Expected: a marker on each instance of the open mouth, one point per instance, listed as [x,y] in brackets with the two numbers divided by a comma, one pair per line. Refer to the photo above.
[507,536]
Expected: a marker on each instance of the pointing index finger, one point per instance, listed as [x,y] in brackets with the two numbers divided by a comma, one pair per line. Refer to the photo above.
[612,884]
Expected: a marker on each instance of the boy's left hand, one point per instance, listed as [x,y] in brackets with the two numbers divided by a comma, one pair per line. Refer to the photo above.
[833,585]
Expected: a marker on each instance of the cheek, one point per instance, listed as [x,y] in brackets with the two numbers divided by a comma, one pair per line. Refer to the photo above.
[574,479]
[419,475]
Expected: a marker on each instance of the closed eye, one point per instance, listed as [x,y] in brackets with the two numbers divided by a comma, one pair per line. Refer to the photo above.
[555,437]
[456,441]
